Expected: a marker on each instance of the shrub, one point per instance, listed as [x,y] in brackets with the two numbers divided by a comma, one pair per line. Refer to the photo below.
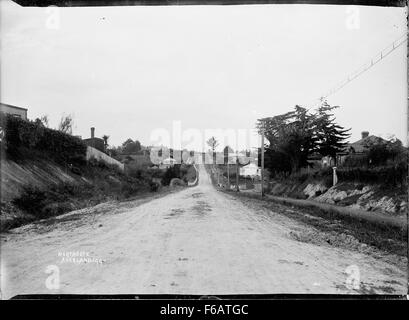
[170,173]
[176,182]
[154,186]
[130,189]
[55,209]
[61,147]
[380,153]
[31,200]
[393,176]
[356,161]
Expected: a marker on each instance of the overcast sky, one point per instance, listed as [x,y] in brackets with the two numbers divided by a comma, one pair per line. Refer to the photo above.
[130,70]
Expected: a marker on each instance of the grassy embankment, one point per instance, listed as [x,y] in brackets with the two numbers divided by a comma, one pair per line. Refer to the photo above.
[54,178]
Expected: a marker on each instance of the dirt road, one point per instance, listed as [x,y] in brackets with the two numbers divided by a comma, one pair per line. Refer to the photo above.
[196,241]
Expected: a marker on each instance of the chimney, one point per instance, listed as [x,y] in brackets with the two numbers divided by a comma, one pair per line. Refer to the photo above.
[92,132]
[364,134]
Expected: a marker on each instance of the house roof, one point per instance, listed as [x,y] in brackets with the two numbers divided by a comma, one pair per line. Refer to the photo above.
[11,106]
[362,144]
[169,161]
[251,165]
[93,139]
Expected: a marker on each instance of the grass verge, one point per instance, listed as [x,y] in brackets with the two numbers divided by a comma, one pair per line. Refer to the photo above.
[390,238]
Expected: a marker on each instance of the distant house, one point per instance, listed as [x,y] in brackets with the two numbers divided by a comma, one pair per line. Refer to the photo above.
[360,148]
[357,149]
[13,110]
[167,163]
[94,142]
[250,170]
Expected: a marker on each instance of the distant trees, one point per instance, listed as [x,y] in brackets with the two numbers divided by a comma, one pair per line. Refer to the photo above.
[43,121]
[113,152]
[130,146]
[389,150]
[213,143]
[33,136]
[105,138]
[291,133]
[277,162]
[66,123]
[297,134]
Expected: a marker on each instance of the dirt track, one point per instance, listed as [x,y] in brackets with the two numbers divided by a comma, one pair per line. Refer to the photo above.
[196,241]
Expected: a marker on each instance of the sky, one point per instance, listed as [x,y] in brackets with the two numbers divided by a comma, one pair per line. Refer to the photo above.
[139,72]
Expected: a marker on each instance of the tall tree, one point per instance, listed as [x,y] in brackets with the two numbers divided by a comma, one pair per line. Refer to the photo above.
[138,146]
[292,133]
[66,124]
[130,146]
[213,143]
[331,136]
[43,120]
[105,138]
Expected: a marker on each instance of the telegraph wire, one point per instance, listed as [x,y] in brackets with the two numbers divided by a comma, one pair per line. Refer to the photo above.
[375,60]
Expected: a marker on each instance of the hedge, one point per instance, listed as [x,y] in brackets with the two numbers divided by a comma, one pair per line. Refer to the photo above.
[33,136]
[390,176]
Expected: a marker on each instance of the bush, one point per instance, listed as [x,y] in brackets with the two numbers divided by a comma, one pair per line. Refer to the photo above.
[393,176]
[380,153]
[55,209]
[356,161]
[31,200]
[176,182]
[154,186]
[170,173]
[129,189]
[63,148]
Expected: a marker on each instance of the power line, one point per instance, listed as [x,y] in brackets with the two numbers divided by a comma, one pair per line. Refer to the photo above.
[375,60]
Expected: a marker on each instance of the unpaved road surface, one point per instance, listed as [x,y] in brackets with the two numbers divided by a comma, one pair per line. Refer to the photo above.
[196,241]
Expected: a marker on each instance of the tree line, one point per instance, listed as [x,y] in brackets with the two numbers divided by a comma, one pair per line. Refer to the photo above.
[294,136]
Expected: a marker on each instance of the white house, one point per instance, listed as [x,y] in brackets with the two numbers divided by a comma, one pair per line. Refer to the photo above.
[167,163]
[250,170]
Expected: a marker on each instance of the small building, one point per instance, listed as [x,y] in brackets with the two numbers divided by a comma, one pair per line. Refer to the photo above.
[167,163]
[94,142]
[360,148]
[13,110]
[362,145]
[250,170]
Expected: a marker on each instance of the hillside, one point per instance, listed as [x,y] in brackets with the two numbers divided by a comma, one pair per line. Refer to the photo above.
[44,172]
[363,196]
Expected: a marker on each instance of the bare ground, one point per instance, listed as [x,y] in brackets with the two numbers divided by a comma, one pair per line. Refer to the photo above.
[196,241]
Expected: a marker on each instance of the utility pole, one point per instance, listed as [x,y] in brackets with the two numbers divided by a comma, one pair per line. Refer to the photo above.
[228,174]
[262,163]
[237,172]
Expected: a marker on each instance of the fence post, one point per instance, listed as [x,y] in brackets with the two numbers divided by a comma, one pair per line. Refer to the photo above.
[334,176]
[237,173]
[228,174]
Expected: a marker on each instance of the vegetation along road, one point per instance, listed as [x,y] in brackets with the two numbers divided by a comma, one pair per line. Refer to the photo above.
[195,241]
